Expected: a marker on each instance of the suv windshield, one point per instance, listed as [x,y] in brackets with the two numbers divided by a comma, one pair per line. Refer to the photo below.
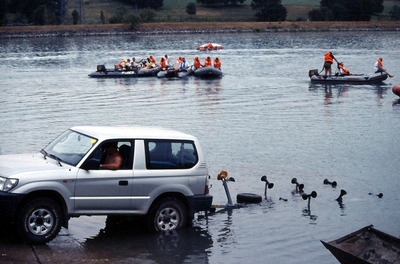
[70,147]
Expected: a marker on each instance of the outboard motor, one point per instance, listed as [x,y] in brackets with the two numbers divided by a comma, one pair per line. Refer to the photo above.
[101,68]
[313,72]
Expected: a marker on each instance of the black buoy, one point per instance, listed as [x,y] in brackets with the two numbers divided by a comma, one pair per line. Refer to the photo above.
[342,193]
[308,196]
[334,184]
[268,185]
[299,186]
[380,195]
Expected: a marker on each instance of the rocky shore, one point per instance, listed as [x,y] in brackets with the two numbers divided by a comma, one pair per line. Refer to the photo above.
[193,28]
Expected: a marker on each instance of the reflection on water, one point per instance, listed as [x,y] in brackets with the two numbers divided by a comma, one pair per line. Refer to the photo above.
[264,117]
[125,239]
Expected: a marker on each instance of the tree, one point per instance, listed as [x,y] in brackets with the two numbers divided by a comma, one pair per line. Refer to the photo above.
[75,17]
[3,11]
[395,13]
[269,10]
[102,18]
[191,9]
[348,10]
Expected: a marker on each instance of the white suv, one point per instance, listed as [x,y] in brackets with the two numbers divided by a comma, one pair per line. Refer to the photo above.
[161,174]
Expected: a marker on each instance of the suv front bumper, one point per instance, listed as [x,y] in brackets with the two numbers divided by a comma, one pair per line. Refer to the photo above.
[8,204]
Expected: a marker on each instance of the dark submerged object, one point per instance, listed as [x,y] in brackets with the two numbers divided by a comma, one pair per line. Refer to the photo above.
[268,185]
[342,193]
[366,246]
[103,72]
[334,183]
[207,72]
[299,186]
[354,78]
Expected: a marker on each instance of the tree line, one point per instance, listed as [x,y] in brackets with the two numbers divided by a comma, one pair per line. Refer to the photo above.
[53,12]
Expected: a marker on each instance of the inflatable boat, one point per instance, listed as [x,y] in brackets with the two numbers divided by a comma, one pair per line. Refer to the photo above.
[102,72]
[354,78]
[207,72]
[172,73]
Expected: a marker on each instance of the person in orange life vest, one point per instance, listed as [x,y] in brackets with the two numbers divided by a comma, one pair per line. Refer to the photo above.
[328,63]
[122,64]
[163,64]
[150,64]
[217,63]
[179,60]
[153,60]
[378,67]
[343,70]
[207,62]
[184,65]
[197,63]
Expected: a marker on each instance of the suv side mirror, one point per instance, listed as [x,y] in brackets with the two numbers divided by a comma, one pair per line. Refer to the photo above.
[91,164]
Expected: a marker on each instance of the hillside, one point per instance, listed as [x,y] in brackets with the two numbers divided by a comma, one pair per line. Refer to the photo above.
[175,11]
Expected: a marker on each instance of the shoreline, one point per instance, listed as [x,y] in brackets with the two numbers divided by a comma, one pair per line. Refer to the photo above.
[194,28]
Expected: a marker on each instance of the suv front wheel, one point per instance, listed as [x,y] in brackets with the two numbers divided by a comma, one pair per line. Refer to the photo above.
[167,215]
[39,221]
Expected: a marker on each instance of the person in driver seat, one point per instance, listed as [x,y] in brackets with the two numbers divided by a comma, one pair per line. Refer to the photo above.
[113,159]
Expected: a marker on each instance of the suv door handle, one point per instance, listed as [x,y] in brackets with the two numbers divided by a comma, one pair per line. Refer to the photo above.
[123,183]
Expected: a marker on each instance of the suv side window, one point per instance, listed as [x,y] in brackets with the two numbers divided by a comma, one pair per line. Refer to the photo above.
[124,148]
[170,154]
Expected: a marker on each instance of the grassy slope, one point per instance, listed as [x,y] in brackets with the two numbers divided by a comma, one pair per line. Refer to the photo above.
[175,10]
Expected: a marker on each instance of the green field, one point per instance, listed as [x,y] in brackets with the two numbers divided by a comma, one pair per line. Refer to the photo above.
[175,11]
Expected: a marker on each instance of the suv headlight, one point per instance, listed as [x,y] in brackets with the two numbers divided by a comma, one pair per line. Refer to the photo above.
[7,184]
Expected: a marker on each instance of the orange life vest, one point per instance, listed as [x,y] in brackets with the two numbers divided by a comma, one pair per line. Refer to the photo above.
[380,63]
[197,63]
[152,59]
[328,57]
[217,63]
[163,63]
[179,60]
[120,64]
[346,71]
[207,62]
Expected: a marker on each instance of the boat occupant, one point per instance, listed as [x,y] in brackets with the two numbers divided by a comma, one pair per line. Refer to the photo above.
[150,64]
[378,67]
[207,62]
[122,64]
[343,70]
[179,60]
[217,63]
[163,64]
[167,60]
[184,65]
[197,63]
[128,65]
[328,63]
[153,60]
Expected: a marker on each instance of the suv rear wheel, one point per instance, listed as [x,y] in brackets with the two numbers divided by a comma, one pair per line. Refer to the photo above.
[167,215]
[39,221]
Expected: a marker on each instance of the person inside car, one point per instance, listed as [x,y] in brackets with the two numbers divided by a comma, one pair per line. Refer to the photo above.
[113,159]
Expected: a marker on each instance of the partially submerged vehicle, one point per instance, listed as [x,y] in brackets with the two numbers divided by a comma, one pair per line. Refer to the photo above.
[207,72]
[162,176]
[354,78]
[366,246]
[103,72]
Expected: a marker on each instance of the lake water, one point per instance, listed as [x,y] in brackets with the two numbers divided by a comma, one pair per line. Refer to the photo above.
[262,118]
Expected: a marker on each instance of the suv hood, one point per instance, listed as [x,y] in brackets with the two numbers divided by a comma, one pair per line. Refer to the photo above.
[19,163]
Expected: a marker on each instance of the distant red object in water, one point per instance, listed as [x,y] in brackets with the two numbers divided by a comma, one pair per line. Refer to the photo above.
[396,90]
[209,47]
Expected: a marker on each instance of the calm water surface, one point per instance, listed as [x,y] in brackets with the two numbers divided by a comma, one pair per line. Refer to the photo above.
[262,118]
